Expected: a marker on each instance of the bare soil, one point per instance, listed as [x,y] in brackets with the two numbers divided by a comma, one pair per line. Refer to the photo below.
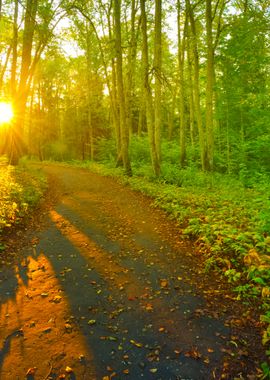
[101,285]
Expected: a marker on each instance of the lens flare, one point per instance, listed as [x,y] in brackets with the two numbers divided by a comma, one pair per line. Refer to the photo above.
[6,112]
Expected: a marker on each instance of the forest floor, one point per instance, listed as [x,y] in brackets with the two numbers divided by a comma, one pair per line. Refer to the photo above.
[102,286]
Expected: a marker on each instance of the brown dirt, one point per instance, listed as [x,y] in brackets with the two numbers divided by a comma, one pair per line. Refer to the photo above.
[103,283]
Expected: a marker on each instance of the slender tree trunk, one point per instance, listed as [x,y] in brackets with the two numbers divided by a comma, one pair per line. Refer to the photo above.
[157,68]
[171,115]
[18,145]
[191,96]
[4,69]
[14,50]
[89,92]
[148,93]
[120,87]
[181,57]
[228,148]
[197,104]
[142,118]
[131,68]
[209,87]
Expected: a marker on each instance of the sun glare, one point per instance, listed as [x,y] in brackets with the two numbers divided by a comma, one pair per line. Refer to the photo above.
[6,112]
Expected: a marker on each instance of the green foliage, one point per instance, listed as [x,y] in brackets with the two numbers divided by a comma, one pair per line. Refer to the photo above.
[265,371]
[106,151]
[20,191]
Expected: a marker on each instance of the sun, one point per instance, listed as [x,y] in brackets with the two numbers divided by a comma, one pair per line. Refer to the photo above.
[6,112]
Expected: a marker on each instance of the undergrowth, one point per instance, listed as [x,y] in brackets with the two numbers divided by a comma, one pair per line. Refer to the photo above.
[20,192]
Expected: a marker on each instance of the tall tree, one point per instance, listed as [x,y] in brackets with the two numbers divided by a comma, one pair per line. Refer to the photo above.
[209,87]
[181,37]
[196,74]
[148,93]
[120,88]
[157,68]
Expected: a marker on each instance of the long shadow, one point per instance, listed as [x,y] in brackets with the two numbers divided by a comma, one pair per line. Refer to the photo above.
[126,335]
[5,350]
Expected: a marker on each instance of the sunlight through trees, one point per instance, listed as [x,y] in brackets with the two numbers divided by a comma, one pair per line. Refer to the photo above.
[90,79]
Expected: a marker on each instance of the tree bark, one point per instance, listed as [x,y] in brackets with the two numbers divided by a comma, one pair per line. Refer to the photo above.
[209,88]
[181,62]
[157,68]
[197,104]
[14,50]
[120,87]
[148,93]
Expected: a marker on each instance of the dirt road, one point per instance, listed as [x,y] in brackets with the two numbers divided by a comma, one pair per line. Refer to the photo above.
[107,289]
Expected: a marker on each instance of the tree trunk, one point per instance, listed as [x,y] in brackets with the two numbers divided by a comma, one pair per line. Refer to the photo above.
[14,50]
[181,62]
[18,146]
[191,96]
[120,88]
[148,93]
[89,93]
[209,87]
[157,68]
[131,68]
[197,104]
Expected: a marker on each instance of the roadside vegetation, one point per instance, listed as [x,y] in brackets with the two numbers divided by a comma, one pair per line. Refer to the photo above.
[21,190]
[227,217]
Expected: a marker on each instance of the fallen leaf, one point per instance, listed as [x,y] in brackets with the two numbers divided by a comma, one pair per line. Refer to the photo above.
[68,369]
[56,299]
[47,330]
[31,371]
[149,307]
[153,370]
[68,327]
[164,283]
[110,338]
[91,322]
[44,295]
[126,371]
[193,354]
[136,343]
[81,357]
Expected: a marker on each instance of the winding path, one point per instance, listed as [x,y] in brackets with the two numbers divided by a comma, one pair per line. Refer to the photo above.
[107,289]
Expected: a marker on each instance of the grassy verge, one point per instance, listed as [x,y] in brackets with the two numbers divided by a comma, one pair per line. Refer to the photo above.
[229,224]
[20,192]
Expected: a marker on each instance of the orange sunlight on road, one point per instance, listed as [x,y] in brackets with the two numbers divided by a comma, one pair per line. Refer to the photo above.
[33,316]
[6,112]
[107,266]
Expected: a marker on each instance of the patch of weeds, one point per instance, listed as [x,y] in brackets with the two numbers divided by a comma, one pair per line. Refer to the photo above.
[20,192]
